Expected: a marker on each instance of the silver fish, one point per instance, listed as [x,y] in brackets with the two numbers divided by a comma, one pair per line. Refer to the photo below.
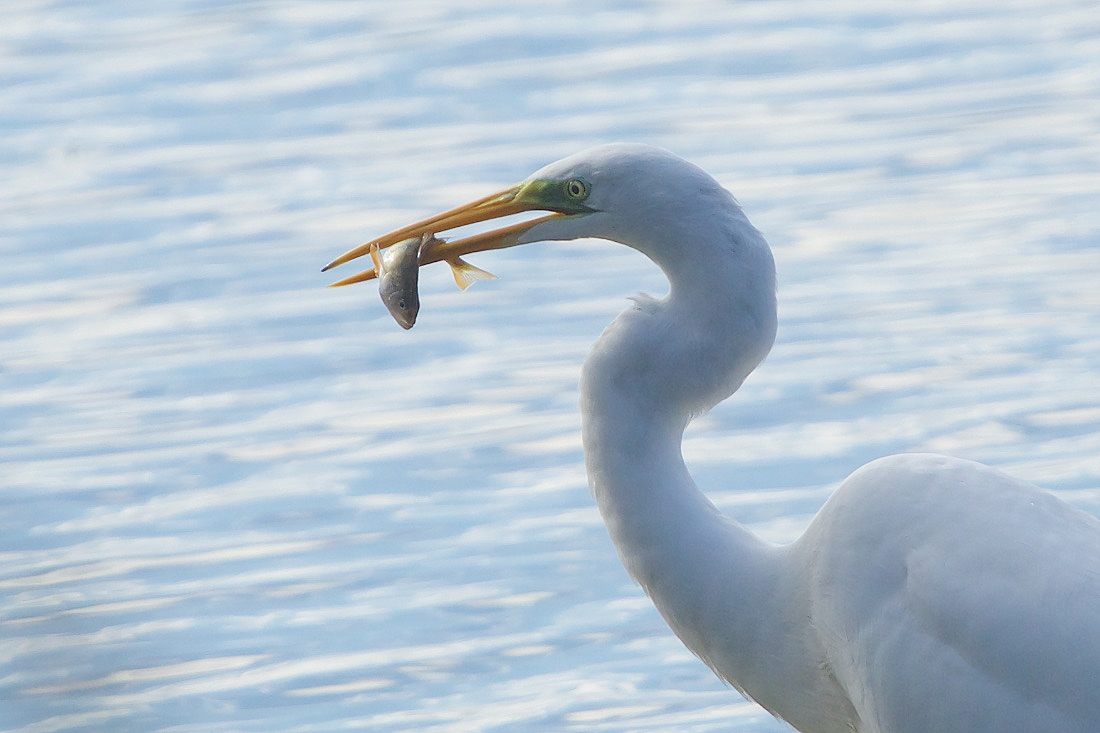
[398,273]
[398,270]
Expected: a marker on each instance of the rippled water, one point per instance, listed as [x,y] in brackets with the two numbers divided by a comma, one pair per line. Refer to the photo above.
[233,500]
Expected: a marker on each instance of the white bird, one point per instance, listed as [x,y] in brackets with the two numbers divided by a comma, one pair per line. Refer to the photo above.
[928,595]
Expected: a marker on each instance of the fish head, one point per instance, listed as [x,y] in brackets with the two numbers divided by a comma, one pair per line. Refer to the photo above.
[402,301]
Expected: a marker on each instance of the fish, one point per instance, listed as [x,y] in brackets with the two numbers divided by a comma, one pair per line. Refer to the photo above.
[398,273]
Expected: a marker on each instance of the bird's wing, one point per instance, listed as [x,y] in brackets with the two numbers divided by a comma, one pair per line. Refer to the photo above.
[975,602]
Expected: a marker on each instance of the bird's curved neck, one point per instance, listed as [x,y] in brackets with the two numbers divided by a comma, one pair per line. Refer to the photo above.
[659,364]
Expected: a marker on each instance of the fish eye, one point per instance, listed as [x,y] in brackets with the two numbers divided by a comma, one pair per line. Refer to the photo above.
[576,189]
[401,303]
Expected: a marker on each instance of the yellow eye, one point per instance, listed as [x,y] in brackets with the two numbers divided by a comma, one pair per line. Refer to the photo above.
[576,189]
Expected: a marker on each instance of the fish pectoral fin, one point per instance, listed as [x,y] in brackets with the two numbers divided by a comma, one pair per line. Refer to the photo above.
[466,274]
[379,268]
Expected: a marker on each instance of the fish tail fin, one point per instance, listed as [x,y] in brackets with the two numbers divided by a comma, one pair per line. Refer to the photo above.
[466,274]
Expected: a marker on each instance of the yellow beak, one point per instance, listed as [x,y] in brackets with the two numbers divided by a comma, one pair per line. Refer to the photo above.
[495,206]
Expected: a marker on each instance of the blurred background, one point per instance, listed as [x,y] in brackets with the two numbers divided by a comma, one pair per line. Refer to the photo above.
[234,500]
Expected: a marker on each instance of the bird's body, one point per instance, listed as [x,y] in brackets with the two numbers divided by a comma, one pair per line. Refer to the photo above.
[929,594]
[971,600]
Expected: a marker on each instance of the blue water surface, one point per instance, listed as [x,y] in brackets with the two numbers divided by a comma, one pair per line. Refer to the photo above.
[234,500]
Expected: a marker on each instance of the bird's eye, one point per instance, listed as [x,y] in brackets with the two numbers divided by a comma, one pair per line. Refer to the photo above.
[576,189]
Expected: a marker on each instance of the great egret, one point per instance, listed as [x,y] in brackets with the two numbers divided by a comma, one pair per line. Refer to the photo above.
[929,594]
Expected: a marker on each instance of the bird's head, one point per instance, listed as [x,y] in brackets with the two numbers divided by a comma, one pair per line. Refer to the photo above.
[626,193]
[719,319]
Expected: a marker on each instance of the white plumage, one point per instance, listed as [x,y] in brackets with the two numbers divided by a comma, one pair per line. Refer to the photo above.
[929,594]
